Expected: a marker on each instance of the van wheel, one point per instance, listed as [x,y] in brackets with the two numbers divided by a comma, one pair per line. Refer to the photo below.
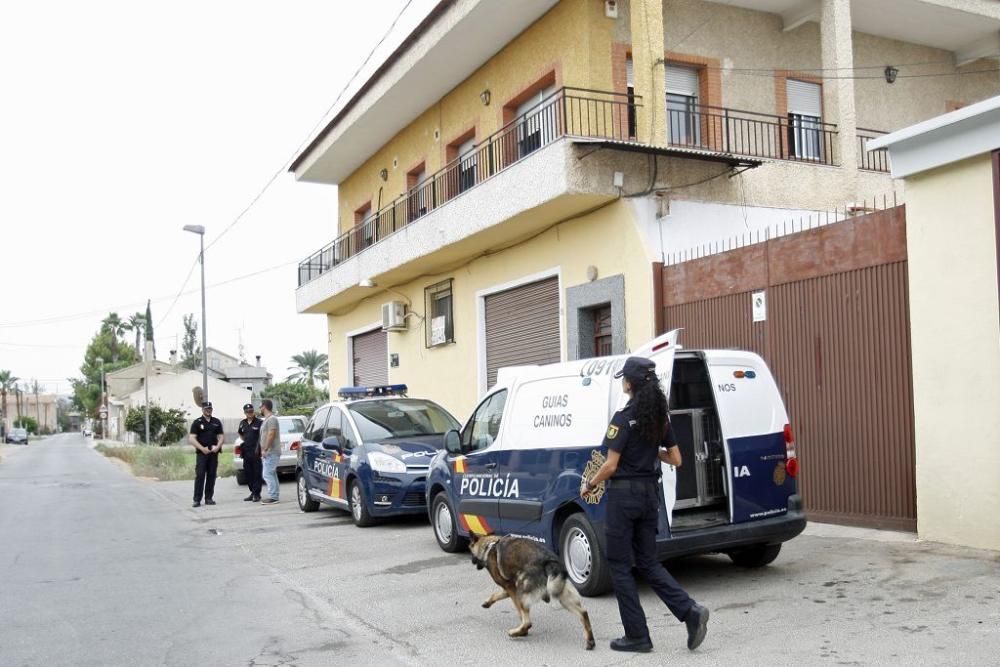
[241,478]
[359,508]
[445,525]
[582,557]
[757,555]
[306,504]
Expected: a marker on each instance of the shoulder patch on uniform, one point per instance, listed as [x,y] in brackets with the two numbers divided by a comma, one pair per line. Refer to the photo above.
[612,432]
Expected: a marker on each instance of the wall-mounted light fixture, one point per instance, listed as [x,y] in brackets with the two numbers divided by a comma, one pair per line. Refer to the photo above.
[384,174]
[890,74]
[485,97]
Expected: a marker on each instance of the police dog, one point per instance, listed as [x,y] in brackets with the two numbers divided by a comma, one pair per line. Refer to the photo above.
[526,572]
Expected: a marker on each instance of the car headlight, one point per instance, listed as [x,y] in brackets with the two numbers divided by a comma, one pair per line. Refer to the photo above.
[384,463]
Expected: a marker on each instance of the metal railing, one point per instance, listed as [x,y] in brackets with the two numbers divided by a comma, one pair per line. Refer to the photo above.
[566,112]
[877,160]
[752,134]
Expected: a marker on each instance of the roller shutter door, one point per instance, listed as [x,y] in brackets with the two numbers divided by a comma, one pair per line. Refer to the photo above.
[370,352]
[522,327]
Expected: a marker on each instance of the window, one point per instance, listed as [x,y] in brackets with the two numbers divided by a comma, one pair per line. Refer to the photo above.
[805,120]
[314,432]
[364,226]
[287,425]
[535,121]
[468,159]
[602,331]
[683,124]
[399,418]
[630,91]
[419,192]
[334,425]
[484,424]
[440,322]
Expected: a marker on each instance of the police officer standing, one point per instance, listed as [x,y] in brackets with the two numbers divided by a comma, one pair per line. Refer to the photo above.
[206,437]
[249,430]
[638,439]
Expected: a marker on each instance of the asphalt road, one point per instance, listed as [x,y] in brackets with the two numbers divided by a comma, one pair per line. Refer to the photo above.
[100,568]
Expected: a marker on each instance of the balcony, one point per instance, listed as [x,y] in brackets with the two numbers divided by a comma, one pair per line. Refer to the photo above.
[877,160]
[752,134]
[572,112]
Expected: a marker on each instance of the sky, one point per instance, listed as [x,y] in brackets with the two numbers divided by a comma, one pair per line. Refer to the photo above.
[121,122]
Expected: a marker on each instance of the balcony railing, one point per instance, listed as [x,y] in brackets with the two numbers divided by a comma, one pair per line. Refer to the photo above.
[877,160]
[752,134]
[566,112]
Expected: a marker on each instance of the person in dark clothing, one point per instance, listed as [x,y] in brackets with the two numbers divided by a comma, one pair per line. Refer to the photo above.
[638,439]
[206,437]
[249,430]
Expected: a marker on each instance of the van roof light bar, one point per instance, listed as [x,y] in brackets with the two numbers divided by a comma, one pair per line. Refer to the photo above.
[354,393]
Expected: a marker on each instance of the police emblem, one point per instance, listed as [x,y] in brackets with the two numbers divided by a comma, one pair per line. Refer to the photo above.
[779,474]
[589,470]
[612,432]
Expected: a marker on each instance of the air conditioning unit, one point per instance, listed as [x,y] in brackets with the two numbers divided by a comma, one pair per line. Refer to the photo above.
[394,316]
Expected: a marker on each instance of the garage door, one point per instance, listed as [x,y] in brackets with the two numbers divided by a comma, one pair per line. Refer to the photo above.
[522,327]
[371,352]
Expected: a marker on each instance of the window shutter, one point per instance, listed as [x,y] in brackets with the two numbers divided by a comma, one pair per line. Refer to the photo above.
[682,80]
[629,73]
[804,98]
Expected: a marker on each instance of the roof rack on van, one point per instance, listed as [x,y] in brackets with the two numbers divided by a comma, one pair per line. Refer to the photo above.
[354,393]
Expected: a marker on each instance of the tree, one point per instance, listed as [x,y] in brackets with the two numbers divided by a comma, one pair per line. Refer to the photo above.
[87,388]
[309,367]
[7,383]
[27,423]
[190,350]
[165,426]
[36,389]
[137,323]
[293,395]
[149,327]
[117,328]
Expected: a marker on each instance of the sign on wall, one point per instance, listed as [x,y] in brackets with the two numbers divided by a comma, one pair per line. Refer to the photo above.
[759,306]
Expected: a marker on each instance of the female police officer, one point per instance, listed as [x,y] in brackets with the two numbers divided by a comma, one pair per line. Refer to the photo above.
[638,438]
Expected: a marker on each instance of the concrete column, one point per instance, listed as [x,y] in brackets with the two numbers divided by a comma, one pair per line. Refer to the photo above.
[838,93]
[646,19]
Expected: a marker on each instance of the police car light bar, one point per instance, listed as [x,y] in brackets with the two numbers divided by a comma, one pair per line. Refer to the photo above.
[365,392]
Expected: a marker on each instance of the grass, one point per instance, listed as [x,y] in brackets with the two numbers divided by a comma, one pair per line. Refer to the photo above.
[164,463]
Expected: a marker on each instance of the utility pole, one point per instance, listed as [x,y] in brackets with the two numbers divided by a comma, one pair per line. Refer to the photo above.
[200,231]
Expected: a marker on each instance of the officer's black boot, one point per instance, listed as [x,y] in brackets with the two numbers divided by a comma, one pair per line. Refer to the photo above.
[696,621]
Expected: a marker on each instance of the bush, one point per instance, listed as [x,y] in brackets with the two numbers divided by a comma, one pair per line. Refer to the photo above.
[26,422]
[165,426]
[166,463]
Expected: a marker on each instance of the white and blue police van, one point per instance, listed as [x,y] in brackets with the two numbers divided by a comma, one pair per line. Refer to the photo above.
[369,452]
[515,467]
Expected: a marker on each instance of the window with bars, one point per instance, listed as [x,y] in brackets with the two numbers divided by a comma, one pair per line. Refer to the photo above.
[805,118]
[439,324]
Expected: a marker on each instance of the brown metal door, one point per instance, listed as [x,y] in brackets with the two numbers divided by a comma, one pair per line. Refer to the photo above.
[371,352]
[522,327]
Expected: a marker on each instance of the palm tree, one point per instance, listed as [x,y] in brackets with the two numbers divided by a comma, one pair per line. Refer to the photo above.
[7,383]
[136,322]
[117,328]
[36,389]
[309,367]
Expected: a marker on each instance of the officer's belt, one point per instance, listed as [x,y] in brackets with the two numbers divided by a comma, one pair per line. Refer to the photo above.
[637,484]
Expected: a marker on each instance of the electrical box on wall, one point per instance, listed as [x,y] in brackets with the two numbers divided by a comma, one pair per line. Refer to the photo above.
[611,9]
[394,316]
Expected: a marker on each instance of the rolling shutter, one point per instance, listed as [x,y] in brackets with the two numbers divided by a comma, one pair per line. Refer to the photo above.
[682,80]
[370,352]
[629,73]
[804,98]
[522,327]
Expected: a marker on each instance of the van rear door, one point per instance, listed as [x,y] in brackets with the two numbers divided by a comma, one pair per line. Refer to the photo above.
[753,421]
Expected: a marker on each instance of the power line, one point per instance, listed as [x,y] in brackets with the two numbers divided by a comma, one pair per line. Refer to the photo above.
[179,292]
[318,124]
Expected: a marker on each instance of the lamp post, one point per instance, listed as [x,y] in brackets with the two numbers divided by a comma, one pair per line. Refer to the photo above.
[103,411]
[200,231]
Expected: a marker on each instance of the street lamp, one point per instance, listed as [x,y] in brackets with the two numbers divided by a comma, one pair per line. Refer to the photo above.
[200,231]
[103,411]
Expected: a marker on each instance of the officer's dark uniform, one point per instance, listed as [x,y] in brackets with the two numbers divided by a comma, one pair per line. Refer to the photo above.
[632,516]
[249,430]
[206,432]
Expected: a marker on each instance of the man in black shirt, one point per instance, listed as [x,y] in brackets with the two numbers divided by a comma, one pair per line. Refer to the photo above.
[206,437]
[249,431]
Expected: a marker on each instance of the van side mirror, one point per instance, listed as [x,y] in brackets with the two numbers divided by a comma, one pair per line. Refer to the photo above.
[453,442]
[334,443]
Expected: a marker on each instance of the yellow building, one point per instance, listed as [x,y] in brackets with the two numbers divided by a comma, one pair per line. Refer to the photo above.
[513,175]
[951,165]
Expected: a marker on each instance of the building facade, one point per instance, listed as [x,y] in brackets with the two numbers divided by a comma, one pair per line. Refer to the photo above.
[512,178]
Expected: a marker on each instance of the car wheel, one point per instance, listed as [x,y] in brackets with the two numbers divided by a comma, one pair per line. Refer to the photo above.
[445,525]
[306,504]
[757,555]
[359,508]
[241,478]
[582,557]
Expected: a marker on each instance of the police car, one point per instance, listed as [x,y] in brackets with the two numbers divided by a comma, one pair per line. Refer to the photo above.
[516,466]
[369,453]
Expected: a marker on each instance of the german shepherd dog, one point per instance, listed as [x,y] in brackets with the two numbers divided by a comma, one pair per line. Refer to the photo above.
[526,572]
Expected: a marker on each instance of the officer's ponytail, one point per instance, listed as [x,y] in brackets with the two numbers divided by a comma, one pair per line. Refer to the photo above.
[650,409]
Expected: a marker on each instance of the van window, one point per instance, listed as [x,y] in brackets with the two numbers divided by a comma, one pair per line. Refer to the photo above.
[484,425]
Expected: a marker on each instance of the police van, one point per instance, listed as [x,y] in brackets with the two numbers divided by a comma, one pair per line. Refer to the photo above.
[516,466]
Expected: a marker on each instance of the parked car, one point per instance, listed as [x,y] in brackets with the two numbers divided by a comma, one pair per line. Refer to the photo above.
[369,453]
[291,428]
[17,436]
[515,468]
